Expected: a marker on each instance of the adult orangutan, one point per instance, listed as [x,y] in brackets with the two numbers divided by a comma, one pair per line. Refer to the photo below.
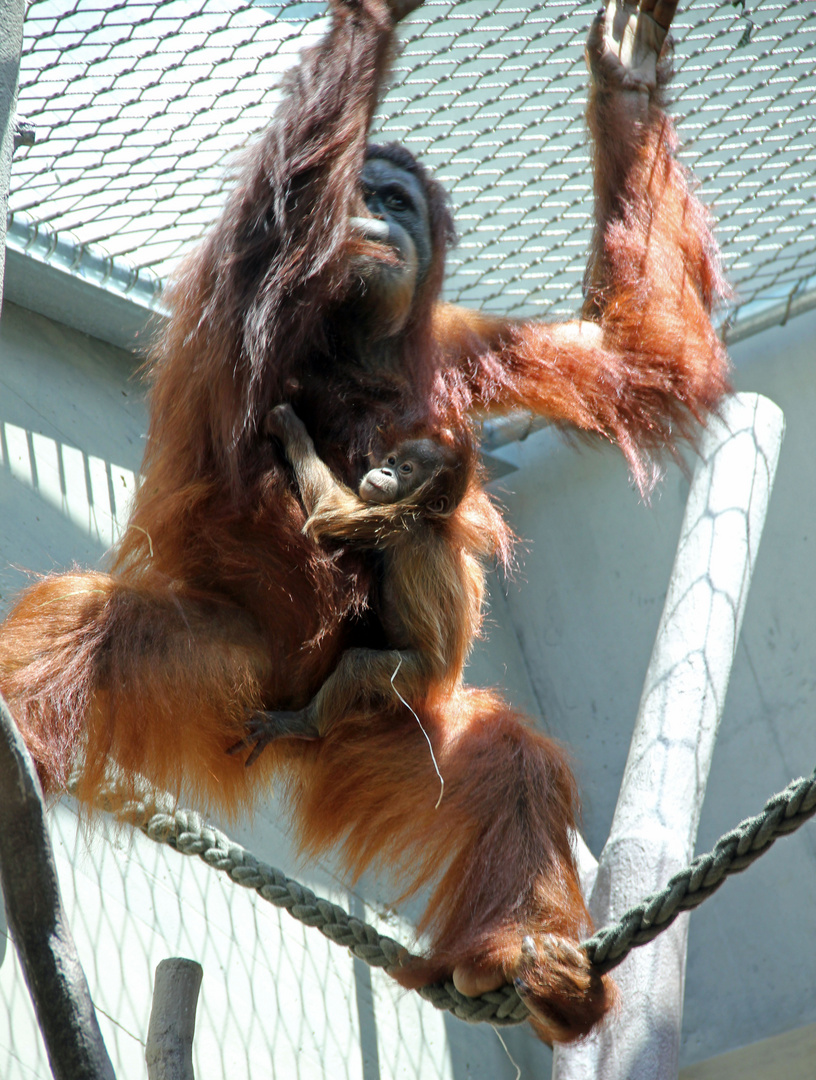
[319,286]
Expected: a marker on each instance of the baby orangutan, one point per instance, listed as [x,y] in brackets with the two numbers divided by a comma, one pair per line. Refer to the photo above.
[410,508]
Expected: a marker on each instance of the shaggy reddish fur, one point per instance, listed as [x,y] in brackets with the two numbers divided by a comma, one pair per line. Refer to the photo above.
[217,604]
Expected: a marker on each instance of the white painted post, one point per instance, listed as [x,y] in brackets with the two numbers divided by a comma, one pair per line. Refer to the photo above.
[655,825]
[11,42]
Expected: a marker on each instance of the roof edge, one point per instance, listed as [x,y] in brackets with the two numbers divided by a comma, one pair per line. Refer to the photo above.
[78,285]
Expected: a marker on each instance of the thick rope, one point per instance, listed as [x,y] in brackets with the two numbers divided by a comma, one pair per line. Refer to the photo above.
[186,832]
[782,814]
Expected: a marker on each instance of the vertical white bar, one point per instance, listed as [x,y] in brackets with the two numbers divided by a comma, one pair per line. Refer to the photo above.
[658,811]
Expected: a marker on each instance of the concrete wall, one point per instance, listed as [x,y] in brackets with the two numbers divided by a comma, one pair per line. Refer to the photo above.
[569,639]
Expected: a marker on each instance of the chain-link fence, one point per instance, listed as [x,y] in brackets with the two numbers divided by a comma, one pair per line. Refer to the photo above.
[140,108]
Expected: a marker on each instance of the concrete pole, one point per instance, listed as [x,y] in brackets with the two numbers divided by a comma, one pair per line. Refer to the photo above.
[654,828]
[11,43]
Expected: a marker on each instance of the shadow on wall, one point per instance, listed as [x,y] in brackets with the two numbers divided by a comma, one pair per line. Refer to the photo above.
[94,495]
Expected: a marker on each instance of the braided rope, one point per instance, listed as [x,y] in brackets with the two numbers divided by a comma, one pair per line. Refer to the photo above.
[782,814]
[186,832]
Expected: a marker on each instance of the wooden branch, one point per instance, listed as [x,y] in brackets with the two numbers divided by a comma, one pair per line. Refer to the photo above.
[169,1051]
[36,918]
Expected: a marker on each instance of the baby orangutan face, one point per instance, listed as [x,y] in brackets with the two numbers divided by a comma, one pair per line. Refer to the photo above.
[404,470]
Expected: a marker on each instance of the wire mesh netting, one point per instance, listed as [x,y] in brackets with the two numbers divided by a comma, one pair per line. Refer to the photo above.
[140,110]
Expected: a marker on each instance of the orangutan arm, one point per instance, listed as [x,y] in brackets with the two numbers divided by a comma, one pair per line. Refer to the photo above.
[644,363]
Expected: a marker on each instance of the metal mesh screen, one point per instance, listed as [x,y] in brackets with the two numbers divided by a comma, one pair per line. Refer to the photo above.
[140,108]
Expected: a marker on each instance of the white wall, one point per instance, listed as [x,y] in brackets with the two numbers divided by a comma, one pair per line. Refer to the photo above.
[569,642]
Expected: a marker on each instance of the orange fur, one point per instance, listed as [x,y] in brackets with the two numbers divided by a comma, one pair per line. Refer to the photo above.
[510,802]
[217,603]
[432,529]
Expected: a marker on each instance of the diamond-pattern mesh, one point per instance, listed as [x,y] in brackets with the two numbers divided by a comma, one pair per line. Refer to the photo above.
[140,109]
